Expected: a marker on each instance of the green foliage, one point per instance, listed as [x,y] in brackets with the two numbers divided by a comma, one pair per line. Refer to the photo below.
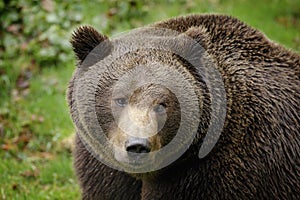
[126,13]
[36,29]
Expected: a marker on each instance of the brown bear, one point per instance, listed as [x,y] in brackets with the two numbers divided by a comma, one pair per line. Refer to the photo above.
[135,101]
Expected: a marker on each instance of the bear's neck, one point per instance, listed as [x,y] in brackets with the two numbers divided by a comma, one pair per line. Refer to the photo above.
[182,177]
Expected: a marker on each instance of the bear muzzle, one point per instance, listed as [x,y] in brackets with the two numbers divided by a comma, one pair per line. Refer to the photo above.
[137,145]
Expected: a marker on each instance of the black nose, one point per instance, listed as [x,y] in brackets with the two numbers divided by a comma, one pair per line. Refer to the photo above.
[138,145]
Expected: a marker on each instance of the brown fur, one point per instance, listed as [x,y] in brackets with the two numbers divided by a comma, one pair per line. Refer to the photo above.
[258,153]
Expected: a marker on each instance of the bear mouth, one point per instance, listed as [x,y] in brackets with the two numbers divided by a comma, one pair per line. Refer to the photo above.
[131,158]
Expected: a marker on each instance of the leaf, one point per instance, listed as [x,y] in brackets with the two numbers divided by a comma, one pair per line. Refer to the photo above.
[31,173]
[48,5]
[8,147]
[52,18]
[23,80]
[23,138]
[14,29]
[36,118]
[42,156]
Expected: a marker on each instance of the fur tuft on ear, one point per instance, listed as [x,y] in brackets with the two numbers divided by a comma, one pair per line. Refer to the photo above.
[84,40]
[199,34]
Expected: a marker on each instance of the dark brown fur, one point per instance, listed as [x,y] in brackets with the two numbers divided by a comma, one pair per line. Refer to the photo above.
[258,153]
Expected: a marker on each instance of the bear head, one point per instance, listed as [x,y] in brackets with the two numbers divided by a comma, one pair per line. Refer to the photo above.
[141,100]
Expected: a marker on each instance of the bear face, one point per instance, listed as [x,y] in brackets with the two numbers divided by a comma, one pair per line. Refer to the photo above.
[140,120]
[136,105]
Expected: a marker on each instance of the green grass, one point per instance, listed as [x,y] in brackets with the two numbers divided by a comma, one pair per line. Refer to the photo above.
[35,161]
[36,178]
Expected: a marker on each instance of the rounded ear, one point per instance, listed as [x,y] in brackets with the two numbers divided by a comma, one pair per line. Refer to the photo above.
[199,34]
[192,44]
[89,45]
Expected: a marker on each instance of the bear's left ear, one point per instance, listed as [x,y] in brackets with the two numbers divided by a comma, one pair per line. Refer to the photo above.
[192,44]
[200,35]
[89,45]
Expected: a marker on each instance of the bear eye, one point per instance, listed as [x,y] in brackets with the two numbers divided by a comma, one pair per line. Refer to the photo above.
[160,108]
[122,102]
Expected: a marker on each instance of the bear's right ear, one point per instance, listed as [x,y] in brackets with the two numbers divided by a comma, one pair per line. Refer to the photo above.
[89,45]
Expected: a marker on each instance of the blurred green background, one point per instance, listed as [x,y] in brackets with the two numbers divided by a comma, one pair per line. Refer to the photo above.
[36,63]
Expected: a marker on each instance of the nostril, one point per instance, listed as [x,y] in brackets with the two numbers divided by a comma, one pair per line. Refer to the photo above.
[138,148]
[137,145]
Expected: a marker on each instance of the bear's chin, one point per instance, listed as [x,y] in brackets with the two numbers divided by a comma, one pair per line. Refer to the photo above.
[129,158]
[136,160]
[147,175]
